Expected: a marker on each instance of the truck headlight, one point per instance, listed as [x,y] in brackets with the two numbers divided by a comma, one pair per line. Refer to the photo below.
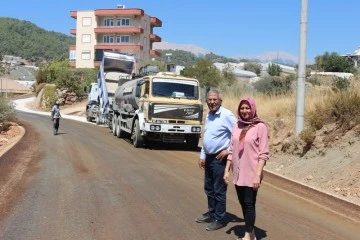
[155,127]
[195,129]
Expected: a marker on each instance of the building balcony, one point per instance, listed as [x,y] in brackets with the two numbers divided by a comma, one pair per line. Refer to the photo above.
[119,12]
[72,64]
[115,46]
[155,22]
[118,30]
[154,53]
[73,31]
[73,14]
[72,47]
[155,38]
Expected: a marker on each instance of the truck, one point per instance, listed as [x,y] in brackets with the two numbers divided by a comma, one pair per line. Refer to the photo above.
[114,66]
[155,106]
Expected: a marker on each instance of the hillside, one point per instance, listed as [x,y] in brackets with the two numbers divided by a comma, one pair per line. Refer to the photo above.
[26,40]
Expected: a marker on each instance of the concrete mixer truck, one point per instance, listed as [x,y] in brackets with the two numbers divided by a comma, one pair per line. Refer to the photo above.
[158,107]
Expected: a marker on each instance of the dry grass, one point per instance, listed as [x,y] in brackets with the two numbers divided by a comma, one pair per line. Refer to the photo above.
[318,100]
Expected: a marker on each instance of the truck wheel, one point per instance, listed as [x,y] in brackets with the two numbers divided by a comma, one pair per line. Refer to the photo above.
[138,140]
[114,125]
[119,133]
[97,118]
[88,119]
[192,142]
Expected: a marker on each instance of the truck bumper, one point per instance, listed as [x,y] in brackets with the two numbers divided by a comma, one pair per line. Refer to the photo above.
[170,132]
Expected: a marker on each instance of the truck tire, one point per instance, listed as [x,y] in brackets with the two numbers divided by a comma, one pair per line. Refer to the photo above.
[138,140]
[97,118]
[114,125]
[89,119]
[119,133]
[192,142]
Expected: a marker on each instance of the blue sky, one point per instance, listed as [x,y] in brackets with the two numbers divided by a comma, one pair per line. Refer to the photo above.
[229,27]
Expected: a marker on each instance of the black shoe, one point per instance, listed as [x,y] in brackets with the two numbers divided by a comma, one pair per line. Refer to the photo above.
[215,225]
[205,218]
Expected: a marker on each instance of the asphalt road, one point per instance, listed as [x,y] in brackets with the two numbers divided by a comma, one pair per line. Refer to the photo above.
[87,184]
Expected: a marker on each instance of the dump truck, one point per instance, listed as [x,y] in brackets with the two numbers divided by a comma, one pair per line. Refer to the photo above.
[114,66]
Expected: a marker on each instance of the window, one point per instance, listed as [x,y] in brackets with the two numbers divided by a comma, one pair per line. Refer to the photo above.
[145,24]
[123,39]
[175,88]
[86,38]
[85,55]
[108,39]
[86,21]
[109,22]
[72,55]
[123,22]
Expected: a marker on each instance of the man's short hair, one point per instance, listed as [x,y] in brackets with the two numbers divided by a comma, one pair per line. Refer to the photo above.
[214,91]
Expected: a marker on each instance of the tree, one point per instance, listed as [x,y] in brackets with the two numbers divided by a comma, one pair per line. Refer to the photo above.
[274,69]
[203,70]
[333,63]
[253,67]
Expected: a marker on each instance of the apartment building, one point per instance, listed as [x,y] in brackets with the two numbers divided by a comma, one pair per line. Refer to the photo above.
[125,30]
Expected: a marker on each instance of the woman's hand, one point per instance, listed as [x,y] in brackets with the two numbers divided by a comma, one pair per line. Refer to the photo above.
[256,182]
[226,177]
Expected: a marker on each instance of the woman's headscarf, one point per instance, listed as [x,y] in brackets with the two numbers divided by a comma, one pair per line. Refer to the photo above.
[253,118]
[246,124]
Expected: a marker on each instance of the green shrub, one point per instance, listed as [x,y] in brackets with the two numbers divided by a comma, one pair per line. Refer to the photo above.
[49,96]
[308,135]
[346,108]
[5,126]
[317,117]
[253,67]
[274,85]
[341,83]
[7,110]
[314,80]
[274,69]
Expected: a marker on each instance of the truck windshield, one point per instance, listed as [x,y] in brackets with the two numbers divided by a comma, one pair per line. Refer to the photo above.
[175,88]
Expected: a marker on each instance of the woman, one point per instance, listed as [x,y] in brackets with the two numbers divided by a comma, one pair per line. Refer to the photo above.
[248,153]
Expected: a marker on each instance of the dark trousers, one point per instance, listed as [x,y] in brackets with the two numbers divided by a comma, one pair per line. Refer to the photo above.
[56,124]
[215,187]
[247,199]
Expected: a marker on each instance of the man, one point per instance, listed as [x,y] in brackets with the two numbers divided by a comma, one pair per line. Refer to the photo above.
[218,126]
[55,116]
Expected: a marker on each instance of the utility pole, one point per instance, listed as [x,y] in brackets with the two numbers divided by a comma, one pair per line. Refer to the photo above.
[301,75]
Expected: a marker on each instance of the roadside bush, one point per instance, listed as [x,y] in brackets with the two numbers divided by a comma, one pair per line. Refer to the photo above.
[346,109]
[49,96]
[7,110]
[274,85]
[308,135]
[5,126]
[39,87]
[70,80]
[316,118]
[253,67]
[274,69]
[314,80]
[341,83]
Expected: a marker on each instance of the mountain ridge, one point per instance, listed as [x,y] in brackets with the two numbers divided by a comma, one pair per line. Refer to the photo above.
[271,56]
